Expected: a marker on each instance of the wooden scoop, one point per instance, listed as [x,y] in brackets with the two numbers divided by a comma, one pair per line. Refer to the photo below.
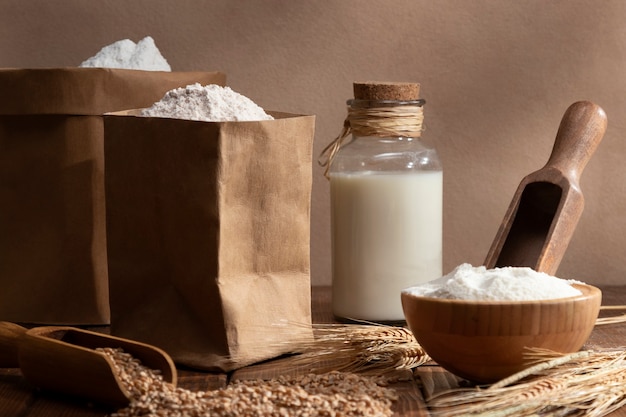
[541,219]
[63,359]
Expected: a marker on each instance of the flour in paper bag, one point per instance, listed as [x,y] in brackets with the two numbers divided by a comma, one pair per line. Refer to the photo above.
[125,54]
[211,103]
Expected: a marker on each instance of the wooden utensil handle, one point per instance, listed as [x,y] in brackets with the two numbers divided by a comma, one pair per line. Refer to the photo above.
[10,333]
[580,132]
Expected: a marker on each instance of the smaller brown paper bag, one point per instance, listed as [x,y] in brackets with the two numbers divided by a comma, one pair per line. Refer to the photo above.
[208,227]
[53,264]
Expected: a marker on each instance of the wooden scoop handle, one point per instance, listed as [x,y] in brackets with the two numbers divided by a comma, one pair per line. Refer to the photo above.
[10,333]
[580,132]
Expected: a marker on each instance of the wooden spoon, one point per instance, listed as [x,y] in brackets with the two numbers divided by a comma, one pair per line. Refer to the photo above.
[547,205]
[64,359]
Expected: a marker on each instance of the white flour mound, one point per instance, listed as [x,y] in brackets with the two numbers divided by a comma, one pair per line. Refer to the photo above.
[211,103]
[466,282]
[144,55]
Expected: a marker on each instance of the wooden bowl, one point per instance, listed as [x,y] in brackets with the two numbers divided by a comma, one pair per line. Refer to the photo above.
[484,341]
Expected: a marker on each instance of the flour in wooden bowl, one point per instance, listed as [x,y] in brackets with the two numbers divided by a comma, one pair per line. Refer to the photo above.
[467,282]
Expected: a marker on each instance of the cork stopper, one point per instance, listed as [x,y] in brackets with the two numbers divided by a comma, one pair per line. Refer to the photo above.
[372,90]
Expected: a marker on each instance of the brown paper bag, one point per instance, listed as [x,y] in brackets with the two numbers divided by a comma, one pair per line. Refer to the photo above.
[53,266]
[208,229]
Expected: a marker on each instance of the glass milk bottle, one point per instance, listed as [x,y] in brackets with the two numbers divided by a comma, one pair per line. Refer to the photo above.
[386,203]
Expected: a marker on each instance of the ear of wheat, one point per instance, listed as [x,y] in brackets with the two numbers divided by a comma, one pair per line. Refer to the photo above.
[360,348]
[586,383]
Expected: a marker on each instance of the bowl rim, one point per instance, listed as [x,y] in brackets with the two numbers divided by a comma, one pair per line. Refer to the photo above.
[588,291]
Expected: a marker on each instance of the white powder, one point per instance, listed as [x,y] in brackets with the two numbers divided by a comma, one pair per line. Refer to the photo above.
[144,55]
[499,284]
[211,103]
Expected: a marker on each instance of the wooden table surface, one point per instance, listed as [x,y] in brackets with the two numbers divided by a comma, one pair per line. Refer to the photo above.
[19,399]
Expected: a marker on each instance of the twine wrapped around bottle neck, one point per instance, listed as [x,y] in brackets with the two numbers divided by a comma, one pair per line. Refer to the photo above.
[403,120]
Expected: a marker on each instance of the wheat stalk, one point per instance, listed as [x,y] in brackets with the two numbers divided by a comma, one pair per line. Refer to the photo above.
[586,383]
[611,320]
[360,348]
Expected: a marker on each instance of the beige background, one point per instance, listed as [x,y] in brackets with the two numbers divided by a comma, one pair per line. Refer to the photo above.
[497,77]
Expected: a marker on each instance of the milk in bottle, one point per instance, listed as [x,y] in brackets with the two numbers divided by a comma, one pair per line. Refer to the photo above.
[386,204]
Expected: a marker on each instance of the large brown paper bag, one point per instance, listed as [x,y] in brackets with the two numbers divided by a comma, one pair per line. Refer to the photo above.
[53,265]
[208,227]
